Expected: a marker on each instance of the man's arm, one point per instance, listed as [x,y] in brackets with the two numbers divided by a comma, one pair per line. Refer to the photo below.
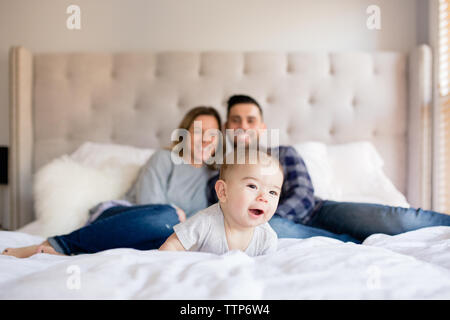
[297,199]
[211,191]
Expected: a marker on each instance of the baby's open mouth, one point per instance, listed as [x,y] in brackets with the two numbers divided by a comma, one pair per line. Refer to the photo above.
[256,211]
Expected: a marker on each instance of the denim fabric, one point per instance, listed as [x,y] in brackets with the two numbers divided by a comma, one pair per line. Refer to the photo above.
[360,220]
[286,228]
[142,227]
[146,227]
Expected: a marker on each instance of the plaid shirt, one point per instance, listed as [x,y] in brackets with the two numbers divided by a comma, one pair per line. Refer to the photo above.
[297,200]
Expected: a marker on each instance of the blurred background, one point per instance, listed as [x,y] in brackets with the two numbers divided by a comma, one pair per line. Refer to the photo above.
[244,25]
[118,25]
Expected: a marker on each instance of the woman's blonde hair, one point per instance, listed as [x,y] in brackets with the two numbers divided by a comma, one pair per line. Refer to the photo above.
[189,119]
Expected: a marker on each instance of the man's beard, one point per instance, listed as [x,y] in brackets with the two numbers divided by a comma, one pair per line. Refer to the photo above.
[241,138]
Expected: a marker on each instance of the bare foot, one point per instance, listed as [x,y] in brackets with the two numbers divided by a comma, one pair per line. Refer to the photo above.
[26,252]
[23,252]
[47,248]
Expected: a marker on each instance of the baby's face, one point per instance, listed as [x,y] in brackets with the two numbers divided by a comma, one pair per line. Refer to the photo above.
[252,193]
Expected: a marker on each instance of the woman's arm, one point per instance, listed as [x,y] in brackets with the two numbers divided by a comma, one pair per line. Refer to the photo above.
[151,185]
[180,212]
[172,244]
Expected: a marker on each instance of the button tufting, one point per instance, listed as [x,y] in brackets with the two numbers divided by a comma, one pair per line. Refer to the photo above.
[332,131]
[331,71]
[180,103]
[95,107]
[157,73]
[289,130]
[289,68]
[113,136]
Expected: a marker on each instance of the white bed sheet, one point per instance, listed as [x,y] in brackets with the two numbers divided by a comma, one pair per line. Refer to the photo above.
[413,265]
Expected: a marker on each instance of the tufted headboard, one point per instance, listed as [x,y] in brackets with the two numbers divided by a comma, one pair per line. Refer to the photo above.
[60,100]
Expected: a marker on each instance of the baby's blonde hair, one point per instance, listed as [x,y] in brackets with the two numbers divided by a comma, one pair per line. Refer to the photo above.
[232,160]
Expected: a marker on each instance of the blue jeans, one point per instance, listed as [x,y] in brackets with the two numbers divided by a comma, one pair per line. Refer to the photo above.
[288,229]
[146,227]
[142,227]
[360,220]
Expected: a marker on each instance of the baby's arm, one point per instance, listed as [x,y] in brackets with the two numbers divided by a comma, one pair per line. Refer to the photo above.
[172,244]
[186,234]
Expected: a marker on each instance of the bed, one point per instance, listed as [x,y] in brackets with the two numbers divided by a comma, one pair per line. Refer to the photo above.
[70,109]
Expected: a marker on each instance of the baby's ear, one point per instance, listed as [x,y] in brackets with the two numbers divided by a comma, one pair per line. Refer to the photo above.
[221,190]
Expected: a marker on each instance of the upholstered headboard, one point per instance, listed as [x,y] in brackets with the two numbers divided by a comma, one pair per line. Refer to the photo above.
[60,100]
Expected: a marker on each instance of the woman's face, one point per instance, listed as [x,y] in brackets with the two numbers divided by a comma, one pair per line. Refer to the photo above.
[204,138]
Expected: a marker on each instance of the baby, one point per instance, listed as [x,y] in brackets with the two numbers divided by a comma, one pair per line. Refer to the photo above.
[248,197]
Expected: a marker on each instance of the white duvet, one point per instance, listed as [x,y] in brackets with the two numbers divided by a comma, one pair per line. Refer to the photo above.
[413,265]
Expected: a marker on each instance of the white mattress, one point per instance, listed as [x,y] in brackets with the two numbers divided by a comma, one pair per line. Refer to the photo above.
[413,265]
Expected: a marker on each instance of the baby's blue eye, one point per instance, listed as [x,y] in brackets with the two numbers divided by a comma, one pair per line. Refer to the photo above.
[252,186]
[274,193]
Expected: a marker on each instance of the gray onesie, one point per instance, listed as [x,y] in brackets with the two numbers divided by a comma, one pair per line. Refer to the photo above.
[205,232]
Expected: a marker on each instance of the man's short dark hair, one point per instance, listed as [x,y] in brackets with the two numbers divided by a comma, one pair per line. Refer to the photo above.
[240,98]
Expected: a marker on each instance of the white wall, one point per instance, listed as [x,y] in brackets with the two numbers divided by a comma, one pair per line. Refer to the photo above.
[126,25]
[119,25]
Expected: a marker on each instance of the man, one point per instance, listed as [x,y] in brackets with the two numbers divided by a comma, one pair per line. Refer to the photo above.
[300,214]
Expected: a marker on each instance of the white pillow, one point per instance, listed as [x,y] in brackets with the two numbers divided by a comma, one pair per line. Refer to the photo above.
[315,156]
[97,154]
[67,187]
[358,170]
[349,172]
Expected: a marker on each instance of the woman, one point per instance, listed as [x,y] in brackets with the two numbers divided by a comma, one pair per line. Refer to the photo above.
[169,187]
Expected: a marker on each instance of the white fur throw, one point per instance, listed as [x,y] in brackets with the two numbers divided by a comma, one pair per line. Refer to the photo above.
[64,191]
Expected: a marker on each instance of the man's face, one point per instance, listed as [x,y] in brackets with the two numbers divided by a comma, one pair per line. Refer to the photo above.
[247,118]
